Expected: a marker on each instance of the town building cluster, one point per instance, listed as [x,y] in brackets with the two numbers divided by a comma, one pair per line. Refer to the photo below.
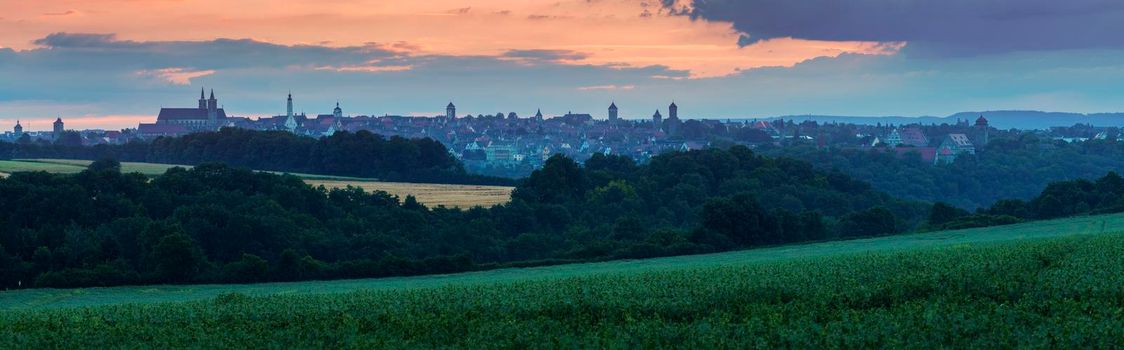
[510,145]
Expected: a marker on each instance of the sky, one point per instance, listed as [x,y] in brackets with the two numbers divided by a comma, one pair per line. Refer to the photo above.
[113,63]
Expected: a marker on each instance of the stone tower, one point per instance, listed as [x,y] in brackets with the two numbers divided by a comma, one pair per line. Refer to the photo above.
[59,127]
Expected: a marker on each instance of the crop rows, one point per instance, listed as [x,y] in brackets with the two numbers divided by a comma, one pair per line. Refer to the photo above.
[1061,292]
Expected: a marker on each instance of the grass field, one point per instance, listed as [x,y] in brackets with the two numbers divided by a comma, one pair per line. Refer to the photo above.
[1057,284]
[462,196]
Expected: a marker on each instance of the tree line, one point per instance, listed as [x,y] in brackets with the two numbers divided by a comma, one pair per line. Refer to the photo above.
[216,224]
[358,154]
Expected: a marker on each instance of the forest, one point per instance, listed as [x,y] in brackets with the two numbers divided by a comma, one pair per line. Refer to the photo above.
[360,154]
[1017,165]
[215,223]
[1104,195]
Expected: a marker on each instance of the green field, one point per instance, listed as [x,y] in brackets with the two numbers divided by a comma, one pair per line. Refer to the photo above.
[1056,284]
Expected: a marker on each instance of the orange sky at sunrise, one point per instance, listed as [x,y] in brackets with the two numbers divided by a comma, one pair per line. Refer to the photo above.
[603,32]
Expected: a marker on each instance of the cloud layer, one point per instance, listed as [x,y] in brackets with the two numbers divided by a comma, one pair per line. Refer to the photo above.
[631,33]
[120,60]
[950,27]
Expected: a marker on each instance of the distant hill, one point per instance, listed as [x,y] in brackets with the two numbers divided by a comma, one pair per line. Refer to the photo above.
[998,119]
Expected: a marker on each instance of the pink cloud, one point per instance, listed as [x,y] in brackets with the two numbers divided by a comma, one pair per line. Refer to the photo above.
[177,76]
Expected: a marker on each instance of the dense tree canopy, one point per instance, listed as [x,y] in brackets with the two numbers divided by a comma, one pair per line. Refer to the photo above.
[215,223]
[1016,166]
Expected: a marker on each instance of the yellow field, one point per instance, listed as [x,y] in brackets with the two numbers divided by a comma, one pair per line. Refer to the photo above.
[432,195]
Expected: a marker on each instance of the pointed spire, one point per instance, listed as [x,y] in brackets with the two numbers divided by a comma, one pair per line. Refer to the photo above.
[201,96]
[212,94]
[290,94]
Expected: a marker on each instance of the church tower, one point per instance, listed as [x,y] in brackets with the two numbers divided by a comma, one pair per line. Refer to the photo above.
[613,112]
[451,111]
[18,130]
[657,120]
[337,112]
[673,112]
[289,106]
[212,109]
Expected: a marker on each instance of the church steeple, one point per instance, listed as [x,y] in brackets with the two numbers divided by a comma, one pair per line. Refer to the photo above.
[289,105]
[202,99]
[212,108]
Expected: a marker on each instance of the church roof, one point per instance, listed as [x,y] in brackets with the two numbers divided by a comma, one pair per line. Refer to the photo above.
[450,105]
[613,105]
[187,114]
[161,129]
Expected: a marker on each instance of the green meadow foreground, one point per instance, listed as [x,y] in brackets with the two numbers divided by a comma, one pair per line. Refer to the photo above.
[1056,284]
[461,196]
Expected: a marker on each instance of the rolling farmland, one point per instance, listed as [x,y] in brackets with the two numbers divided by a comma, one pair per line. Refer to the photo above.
[462,196]
[1046,284]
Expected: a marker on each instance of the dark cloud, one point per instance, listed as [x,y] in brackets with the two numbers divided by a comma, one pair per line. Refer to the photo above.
[951,27]
[83,40]
[105,50]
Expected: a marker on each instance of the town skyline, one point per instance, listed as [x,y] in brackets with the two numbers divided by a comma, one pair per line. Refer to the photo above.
[628,112]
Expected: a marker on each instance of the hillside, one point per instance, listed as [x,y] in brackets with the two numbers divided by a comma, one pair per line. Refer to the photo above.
[1046,284]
